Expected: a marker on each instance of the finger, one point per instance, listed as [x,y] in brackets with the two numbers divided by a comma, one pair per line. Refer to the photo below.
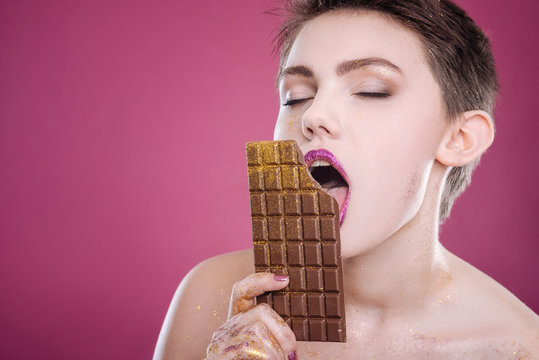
[265,342]
[244,336]
[256,343]
[280,331]
[245,290]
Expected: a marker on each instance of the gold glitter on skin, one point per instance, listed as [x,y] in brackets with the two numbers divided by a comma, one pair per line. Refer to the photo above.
[244,342]
[257,353]
[386,73]
[291,120]
[198,307]
[312,353]
[447,300]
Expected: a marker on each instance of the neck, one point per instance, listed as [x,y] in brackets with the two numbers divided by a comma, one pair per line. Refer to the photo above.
[403,272]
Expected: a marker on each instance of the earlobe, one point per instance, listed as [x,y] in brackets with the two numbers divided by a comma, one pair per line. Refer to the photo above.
[466,139]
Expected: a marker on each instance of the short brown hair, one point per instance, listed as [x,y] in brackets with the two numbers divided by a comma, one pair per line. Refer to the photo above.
[456,49]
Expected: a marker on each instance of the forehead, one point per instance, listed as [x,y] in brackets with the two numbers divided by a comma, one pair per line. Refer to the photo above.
[352,34]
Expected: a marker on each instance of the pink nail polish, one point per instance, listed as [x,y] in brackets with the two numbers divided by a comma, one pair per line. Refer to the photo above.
[292,356]
[280,277]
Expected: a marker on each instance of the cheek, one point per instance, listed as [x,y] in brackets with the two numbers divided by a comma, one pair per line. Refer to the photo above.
[412,158]
[416,185]
[416,130]
[408,162]
[398,171]
[287,127]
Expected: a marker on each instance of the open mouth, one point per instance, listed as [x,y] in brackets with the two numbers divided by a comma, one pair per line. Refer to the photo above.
[329,173]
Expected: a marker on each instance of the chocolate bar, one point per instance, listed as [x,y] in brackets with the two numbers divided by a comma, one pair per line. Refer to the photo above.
[295,227]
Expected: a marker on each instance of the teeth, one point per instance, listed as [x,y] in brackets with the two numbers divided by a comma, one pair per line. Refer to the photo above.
[319,163]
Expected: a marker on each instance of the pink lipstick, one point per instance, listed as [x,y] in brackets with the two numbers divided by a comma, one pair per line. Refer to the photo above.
[329,173]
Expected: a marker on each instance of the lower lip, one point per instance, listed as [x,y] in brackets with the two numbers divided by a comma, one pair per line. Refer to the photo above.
[344,208]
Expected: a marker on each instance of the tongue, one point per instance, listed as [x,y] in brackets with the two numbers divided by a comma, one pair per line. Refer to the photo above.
[339,193]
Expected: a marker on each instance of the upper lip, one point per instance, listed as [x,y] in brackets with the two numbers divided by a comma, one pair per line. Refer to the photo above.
[324,154]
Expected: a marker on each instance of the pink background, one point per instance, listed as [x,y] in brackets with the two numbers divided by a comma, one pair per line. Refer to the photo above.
[122,134]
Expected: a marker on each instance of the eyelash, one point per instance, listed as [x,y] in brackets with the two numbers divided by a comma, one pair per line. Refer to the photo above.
[295,101]
[373,95]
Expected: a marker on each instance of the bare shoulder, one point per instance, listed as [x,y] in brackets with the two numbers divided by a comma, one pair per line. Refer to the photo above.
[200,305]
[492,313]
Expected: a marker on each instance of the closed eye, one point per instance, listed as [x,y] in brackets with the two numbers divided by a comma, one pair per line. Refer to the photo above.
[373,94]
[295,101]
[363,94]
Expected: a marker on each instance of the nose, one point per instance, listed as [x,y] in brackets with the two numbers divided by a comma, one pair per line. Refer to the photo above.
[321,120]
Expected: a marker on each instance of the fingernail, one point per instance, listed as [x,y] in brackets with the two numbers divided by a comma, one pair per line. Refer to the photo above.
[280,278]
[292,356]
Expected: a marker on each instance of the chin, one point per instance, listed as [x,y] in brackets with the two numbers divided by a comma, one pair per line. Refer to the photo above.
[355,241]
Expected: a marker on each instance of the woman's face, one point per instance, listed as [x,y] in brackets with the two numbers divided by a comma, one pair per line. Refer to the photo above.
[357,84]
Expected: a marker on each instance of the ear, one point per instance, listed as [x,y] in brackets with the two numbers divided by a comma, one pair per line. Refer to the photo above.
[466,139]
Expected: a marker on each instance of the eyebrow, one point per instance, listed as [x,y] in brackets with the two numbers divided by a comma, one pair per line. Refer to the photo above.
[343,68]
[298,71]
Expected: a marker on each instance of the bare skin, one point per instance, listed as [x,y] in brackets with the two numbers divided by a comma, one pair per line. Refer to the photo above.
[406,296]
[487,323]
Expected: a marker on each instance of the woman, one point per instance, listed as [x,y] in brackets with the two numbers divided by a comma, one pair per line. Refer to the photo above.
[401,93]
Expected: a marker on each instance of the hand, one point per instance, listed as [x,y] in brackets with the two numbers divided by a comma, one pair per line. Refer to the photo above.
[253,332]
